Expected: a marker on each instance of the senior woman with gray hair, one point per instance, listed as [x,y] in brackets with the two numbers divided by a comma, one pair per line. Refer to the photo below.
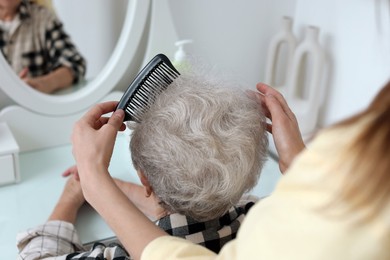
[200,146]
[198,150]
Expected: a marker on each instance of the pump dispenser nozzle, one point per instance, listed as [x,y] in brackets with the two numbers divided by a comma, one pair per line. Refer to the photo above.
[180,55]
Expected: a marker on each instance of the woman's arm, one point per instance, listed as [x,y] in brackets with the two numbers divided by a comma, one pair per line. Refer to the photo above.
[93,141]
[134,230]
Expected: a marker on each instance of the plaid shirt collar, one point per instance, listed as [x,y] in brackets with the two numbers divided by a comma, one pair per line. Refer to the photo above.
[212,234]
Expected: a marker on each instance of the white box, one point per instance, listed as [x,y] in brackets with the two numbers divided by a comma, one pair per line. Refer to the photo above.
[9,156]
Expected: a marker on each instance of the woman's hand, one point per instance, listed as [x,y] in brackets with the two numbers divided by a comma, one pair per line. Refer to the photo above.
[284,127]
[72,170]
[94,136]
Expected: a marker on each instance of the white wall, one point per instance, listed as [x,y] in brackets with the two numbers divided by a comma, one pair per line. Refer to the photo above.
[94,26]
[356,36]
[229,33]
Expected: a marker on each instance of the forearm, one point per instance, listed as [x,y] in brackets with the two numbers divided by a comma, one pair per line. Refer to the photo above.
[134,192]
[148,205]
[59,78]
[133,228]
[55,80]
[65,212]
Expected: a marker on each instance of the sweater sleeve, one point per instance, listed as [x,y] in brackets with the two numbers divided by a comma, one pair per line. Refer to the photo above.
[169,247]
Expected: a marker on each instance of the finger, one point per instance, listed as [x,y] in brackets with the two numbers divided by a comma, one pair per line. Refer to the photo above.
[116,119]
[103,120]
[23,73]
[261,98]
[71,170]
[267,90]
[98,110]
[274,107]
[66,174]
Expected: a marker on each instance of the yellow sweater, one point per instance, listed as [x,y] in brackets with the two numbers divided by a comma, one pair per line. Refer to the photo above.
[292,222]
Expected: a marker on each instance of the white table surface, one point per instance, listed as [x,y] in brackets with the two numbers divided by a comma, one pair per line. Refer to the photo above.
[30,202]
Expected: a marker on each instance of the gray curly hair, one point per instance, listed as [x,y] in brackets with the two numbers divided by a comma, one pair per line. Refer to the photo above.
[201,146]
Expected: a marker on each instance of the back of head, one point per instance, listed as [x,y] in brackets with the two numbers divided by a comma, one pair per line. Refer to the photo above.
[201,145]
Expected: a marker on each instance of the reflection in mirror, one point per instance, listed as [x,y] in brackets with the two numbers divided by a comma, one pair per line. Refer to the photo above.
[37,48]
[51,52]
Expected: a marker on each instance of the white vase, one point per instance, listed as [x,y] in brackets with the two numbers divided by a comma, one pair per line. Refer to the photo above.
[280,55]
[304,86]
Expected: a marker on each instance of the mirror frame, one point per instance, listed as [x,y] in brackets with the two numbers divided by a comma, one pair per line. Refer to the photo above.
[121,59]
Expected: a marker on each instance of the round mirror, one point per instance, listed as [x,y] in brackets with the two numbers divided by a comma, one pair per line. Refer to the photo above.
[95,89]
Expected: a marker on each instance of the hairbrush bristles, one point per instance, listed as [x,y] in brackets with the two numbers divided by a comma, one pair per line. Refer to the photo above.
[154,78]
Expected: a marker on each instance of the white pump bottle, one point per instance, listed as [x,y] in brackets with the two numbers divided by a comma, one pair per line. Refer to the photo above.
[180,56]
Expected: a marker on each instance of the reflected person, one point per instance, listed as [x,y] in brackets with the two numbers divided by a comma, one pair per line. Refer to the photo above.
[33,41]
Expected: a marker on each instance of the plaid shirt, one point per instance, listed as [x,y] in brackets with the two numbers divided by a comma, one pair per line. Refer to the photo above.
[39,43]
[213,234]
[59,240]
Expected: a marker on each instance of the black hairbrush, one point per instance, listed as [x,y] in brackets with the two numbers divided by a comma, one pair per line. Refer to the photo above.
[154,78]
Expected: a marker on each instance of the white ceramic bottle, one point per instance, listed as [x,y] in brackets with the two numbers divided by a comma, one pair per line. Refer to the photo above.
[304,86]
[280,55]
